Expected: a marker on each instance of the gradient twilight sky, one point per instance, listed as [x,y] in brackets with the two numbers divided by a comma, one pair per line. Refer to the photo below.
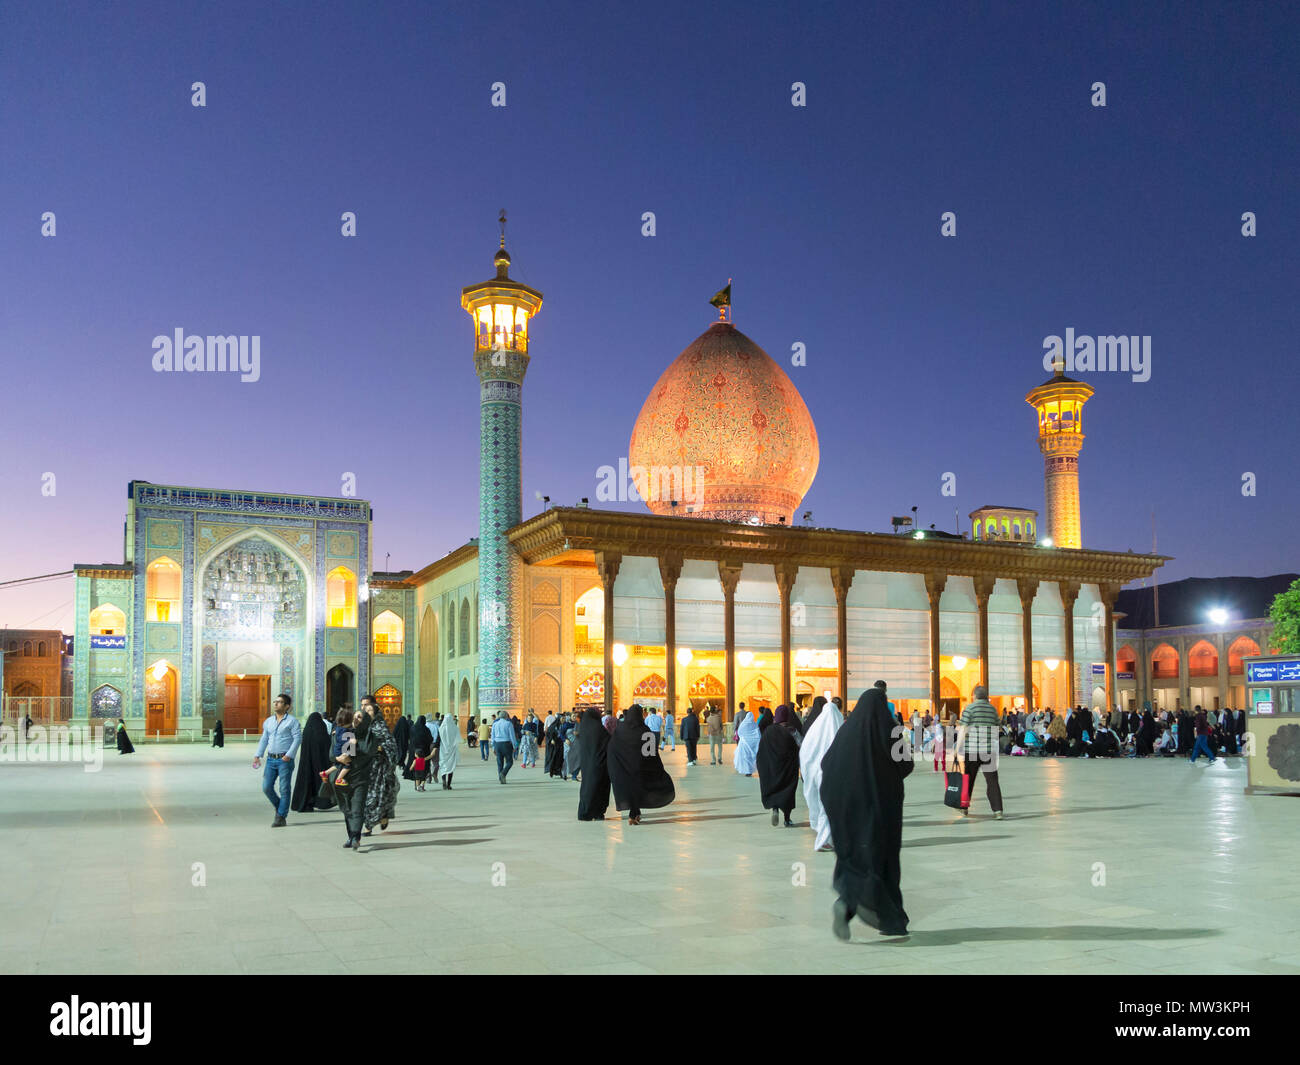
[1117,220]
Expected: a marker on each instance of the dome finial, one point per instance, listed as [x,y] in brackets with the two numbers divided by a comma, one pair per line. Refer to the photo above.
[502,258]
[722,300]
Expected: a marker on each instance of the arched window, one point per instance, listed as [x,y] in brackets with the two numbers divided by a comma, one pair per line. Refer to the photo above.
[13,646]
[1126,660]
[977,528]
[107,620]
[589,622]
[106,701]
[42,651]
[1164,663]
[1241,647]
[451,637]
[1202,660]
[476,618]
[27,648]
[1029,530]
[464,626]
[162,591]
[341,598]
[388,630]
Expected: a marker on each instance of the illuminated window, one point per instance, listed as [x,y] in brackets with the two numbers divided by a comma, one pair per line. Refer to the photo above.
[388,630]
[341,598]
[107,620]
[162,591]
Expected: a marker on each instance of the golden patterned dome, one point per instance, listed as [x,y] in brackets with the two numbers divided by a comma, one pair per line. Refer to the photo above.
[726,409]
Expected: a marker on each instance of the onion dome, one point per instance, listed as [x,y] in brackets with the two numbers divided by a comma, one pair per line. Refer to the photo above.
[725,433]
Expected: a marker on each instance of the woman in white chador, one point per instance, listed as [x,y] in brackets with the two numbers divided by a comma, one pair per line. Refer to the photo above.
[746,756]
[816,743]
[448,748]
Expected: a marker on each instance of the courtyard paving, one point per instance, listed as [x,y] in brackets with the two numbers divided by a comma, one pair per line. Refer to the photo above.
[165,862]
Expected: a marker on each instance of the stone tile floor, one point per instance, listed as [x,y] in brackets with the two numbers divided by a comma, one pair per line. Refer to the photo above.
[101,876]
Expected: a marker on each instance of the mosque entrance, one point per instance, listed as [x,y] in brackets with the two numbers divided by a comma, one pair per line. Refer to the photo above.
[338,688]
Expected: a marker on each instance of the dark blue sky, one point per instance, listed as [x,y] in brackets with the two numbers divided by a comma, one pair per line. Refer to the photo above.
[1122,220]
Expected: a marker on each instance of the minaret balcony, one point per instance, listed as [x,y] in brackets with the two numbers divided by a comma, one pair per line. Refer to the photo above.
[502,342]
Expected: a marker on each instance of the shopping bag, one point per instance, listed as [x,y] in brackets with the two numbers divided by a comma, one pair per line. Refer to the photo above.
[956,792]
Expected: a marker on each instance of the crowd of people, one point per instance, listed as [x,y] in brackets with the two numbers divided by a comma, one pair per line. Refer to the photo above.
[850,768]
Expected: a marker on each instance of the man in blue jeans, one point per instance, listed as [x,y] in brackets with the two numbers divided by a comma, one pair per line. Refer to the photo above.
[281,737]
[504,743]
[1202,746]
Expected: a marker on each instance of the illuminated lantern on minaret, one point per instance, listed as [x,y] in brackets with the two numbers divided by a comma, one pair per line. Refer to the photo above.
[501,310]
[1059,402]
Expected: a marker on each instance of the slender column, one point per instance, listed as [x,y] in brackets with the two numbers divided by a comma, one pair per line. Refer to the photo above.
[983,589]
[1109,593]
[934,583]
[1069,593]
[1028,588]
[670,569]
[842,581]
[729,576]
[1184,674]
[607,563]
[1221,644]
[785,577]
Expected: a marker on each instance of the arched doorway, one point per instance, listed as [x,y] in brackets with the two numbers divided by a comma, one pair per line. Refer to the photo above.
[160,699]
[949,698]
[338,688]
[463,711]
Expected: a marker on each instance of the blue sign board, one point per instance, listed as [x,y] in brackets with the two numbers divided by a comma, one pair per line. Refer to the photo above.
[1124,676]
[116,643]
[1099,669]
[1281,672]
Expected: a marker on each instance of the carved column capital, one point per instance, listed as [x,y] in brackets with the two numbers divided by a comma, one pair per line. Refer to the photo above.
[786,574]
[934,585]
[984,584]
[607,564]
[1028,588]
[729,576]
[842,581]
[670,569]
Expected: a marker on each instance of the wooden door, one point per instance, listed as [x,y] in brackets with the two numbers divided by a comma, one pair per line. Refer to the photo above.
[243,705]
[155,720]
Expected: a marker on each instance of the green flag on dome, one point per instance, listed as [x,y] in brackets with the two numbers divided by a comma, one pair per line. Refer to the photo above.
[722,298]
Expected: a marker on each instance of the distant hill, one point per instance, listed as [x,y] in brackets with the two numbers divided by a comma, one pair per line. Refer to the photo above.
[1187,602]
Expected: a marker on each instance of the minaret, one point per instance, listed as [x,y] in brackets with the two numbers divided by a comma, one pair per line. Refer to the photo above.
[501,309]
[1059,402]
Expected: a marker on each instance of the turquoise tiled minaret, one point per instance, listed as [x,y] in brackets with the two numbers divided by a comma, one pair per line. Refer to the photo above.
[501,310]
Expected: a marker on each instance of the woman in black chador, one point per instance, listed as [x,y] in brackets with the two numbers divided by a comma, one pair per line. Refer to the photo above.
[778,765]
[554,764]
[402,737]
[421,746]
[1146,733]
[381,794]
[593,745]
[218,735]
[124,744]
[862,793]
[313,760]
[636,773]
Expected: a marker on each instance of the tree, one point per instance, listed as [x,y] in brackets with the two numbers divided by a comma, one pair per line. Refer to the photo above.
[1285,613]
